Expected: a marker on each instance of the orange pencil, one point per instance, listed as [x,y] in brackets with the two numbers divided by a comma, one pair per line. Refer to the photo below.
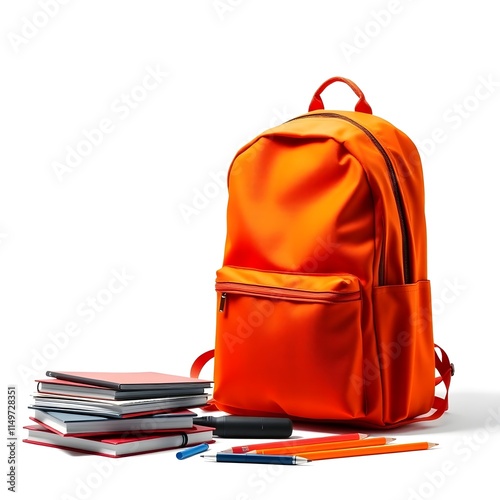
[296,442]
[370,450]
[340,445]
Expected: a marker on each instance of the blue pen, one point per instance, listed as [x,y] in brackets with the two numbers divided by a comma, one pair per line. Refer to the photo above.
[193,450]
[256,459]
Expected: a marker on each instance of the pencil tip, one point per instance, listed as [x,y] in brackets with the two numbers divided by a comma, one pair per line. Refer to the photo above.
[362,436]
[390,440]
[431,445]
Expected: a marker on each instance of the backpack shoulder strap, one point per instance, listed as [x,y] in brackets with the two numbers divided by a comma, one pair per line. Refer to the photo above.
[446,370]
[200,362]
[196,368]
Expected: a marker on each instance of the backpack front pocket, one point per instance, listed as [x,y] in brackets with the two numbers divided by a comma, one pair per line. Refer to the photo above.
[288,344]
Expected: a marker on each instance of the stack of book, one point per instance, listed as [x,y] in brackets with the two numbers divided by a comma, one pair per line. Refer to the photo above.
[117,414]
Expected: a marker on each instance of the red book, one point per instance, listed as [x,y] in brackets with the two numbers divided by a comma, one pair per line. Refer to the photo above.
[120,445]
[130,380]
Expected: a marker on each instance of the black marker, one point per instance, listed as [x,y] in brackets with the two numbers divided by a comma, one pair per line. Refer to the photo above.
[248,427]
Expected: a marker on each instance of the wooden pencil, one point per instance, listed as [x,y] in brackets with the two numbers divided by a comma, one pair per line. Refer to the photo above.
[369,450]
[295,442]
[340,445]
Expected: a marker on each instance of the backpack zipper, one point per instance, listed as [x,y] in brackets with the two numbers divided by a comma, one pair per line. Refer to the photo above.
[394,183]
[282,293]
[222,302]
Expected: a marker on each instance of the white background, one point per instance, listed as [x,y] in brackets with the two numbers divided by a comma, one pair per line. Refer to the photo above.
[147,201]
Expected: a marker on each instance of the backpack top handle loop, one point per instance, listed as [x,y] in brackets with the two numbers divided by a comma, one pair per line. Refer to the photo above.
[362,105]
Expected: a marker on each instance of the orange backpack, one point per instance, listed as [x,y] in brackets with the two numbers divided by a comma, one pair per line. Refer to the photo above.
[323,300]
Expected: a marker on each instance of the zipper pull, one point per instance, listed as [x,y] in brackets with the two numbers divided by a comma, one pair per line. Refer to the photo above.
[222,302]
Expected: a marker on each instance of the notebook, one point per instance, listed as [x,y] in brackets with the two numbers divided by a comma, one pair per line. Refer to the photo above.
[130,380]
[120,445]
